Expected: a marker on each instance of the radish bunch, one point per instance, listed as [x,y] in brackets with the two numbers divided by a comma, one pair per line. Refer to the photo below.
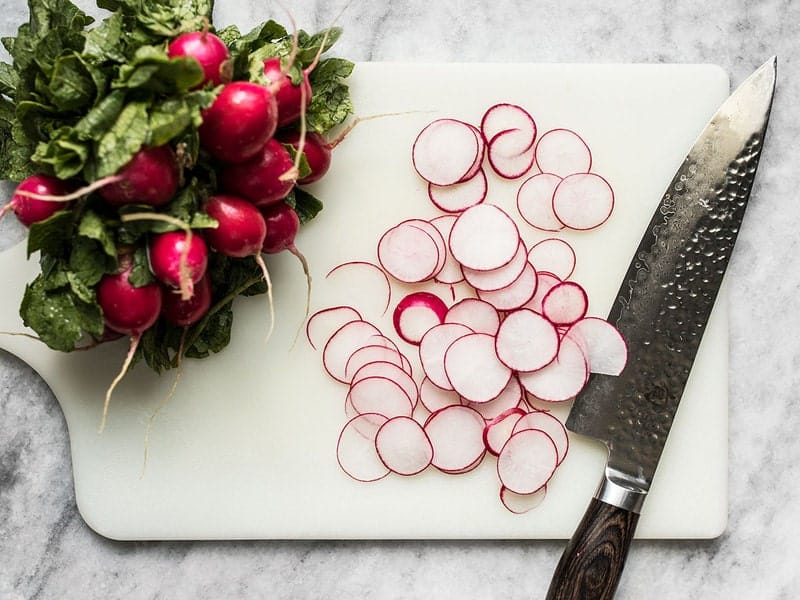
[475,375]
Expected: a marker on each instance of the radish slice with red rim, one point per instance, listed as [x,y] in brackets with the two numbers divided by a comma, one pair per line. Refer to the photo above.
[478,315]
[436,236]
[355,449]
[535,202]
[565,303]
[527,461]
[563,152]
[519,504]
[417,313]
[434,398]
[496,279]
[544,421]
[583,201]
[505,116]
[432,349]
[380,395]
[515,295]
[544,283]
[446,151]
[341,345]
[499,429]
[562,379]
[604,346]
[403,446]
[526,341]
[484,237]
[458,197]
[370,354]
[511,154]
[451,272]
[409,254]
[553,255]
[392,372]
[456,433]
[510,397]
[362,285]
[473,369]
[324,323]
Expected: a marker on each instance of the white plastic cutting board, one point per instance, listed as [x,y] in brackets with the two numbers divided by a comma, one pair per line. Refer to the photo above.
[246,447]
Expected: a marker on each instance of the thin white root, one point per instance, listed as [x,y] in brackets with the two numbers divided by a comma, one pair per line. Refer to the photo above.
[265,271]
[125,365]
[307,273]
[92,187]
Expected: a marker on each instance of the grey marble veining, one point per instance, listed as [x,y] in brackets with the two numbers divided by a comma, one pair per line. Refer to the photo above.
[46,551]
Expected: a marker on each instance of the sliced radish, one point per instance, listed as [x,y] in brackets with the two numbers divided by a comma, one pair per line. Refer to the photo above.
[458,197]
[562,379]
[355,449]
[380,395]
[451,272]
[565,303]
[583,201]
[382,352]
[544,283]
[544,421]
[553,255]
[473,369]
[434,398]
[341,345]
[436,236]
[416,314]
[324,323]
[456,433]
[605,349]
[510,397]
[445,151]
[392,372]
[478,315]
[408,253]
[432,349]
[563,152]
[511,153]
[497,279]
[499,429]
[505,116]
[362,285]
[526,341]
[516,294]
[519,504]
[535,201]
[403,446]
[484,237]
[527,461]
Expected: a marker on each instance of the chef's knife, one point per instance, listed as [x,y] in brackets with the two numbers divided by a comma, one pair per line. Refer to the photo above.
[661,309]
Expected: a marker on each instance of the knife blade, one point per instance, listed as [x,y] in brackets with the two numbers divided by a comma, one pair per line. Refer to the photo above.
[661,309]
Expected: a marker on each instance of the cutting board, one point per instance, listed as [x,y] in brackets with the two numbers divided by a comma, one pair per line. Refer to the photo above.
[246,447]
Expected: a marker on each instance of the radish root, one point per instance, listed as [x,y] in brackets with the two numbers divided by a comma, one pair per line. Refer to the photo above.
[293,249]
[125,365]
[270,299]
[92,187]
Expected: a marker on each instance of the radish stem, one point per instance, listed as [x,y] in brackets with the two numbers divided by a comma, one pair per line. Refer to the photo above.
[92,187]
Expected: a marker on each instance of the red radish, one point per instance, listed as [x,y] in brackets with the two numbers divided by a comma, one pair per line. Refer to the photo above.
[562,379]
[484,237]
[324,323]
[362,285]
[476,314]
[451,272]
[341,345]
[473,369]
[30,210]
[565,303]
[355,449]
[403,446]
[501,277]
[416,314]
[602,343]
[409,254]
[317,149]
[261,178]
[151,177]
[435,398]
[447,151]
[239,122]
[456,434]
[504,117]
[583,201]
[167,250]
[510,397]
[187,312]
[563,152]
[544,421]
[499,429]
[392,372]
[458,197]
[519,504]
[380,395]
[526,341]
[515,295]
[432,349]
[291,99]
[527,461]
[208,50]
[535,201]
[554,256]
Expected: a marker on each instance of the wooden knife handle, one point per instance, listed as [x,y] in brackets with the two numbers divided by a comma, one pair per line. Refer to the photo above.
[592,562]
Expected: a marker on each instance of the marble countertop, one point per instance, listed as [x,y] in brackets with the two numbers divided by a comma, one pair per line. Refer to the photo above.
[47,551]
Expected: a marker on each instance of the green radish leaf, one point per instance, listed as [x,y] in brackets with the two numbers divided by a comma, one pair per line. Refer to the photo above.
[51,236]
[304,204]
[125,137]
[330,103]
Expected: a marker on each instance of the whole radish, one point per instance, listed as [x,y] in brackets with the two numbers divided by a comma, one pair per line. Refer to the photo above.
[208,50]
[187,312]
[264,179]
[151,177]
[166,253]
[239,122]
[292,99]
[31,210]
[317,150]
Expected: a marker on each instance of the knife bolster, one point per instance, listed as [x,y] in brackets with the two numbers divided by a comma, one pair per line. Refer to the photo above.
[621,494]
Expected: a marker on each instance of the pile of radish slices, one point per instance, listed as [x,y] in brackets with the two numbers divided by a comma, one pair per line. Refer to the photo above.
[495,359]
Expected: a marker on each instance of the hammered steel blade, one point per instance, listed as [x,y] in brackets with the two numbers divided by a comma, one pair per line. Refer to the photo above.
[671,284]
